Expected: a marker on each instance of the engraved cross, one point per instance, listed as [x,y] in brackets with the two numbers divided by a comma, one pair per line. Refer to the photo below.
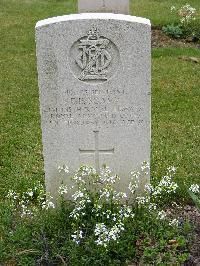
[97,151]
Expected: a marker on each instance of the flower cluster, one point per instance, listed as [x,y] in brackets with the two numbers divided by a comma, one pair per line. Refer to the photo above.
[62,190]
[194,188]
[186,13]
[64,168]
[97,205]
[152,194]
[110,207]
[30,202]
[95,193]
[106,176]
[161,215]
[105,235]
[166,184]
[137,176]
[77,236]
[82,174]
[81,198]
[143,200]
[174,222]
[48,203]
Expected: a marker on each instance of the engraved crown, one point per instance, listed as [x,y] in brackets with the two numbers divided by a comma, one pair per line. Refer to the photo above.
[93,34]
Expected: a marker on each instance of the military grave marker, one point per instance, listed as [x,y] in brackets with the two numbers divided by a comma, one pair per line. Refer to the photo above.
[94,75]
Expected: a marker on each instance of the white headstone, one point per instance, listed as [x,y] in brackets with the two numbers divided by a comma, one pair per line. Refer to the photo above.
[94,79]
[112,6]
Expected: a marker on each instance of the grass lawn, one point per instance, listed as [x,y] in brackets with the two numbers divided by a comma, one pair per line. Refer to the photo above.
[175,96]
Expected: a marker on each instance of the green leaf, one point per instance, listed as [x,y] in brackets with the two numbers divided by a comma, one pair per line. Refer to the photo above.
[195,199]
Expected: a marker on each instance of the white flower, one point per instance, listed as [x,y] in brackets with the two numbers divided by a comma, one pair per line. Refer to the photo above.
[149,188]
[85,170]
[48,204]
[30,193]
[78,178]
[172,8]
[133,186]
[114,217]
[99,229]
[77,195]
[26,212]
[165,185]
[99,242]
[135,174]
[171,169]
[105,235]
[195,188]
[63,168]
[81,198]
[142,200]
[12,194]
[105,193]
[152,206]
[145,167]
[122,195]
[115,231]
[161,215]
[187,13]
[74,214]
[83,173]
[63,189]
[105,176]
[126,212]
[77,236]
[174,222]
[136,177]
[102,233]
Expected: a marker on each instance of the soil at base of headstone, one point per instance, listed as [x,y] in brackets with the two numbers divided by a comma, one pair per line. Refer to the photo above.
[191,214]
[160,39]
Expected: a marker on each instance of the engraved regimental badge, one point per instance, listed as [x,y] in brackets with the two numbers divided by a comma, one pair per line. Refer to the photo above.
[95,58]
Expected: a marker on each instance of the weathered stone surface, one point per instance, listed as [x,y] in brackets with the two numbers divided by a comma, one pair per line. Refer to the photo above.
[112,6]
[94,80]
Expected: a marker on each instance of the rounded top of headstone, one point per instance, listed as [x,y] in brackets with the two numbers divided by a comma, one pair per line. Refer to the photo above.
[92,16]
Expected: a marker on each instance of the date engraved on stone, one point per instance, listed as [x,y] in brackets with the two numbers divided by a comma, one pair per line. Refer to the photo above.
[94,58]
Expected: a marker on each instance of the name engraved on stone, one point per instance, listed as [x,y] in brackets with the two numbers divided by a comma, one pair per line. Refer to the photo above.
[97,151]
[94,57]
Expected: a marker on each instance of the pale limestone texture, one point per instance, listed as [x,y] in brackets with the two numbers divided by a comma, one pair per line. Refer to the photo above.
[94,79]
[112,6]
